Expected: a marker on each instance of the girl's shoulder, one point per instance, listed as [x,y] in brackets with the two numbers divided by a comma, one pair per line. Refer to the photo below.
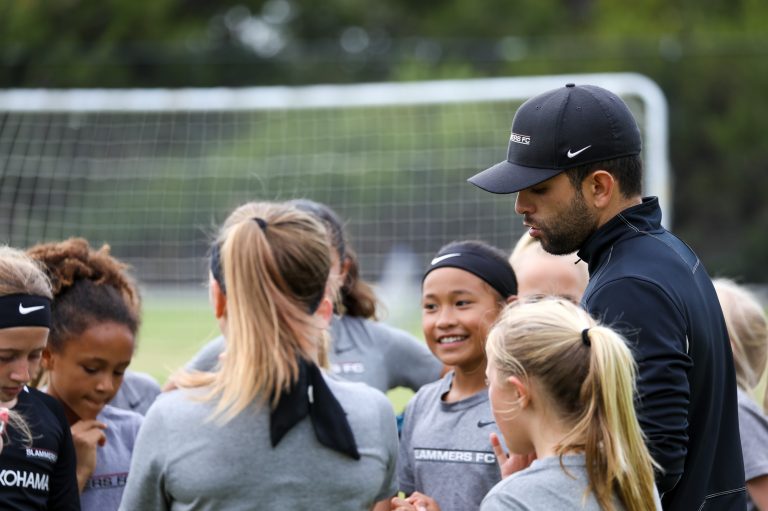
[356,395]
[116,417]
[430,395]
[35,403]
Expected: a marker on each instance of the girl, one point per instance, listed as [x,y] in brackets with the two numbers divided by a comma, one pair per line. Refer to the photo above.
[362,349]
[268,430]
[562,387]
[748,333]
[37,463]
[541,274]
[444,450]
[93,336]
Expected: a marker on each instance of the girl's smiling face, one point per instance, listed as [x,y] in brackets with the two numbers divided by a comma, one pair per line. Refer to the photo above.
[458,309]
[88,371]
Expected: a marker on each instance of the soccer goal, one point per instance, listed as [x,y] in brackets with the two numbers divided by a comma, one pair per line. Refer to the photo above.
[152,172]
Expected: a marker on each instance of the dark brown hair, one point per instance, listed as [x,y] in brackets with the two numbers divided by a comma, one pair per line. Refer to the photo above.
[627,170]
[89,286]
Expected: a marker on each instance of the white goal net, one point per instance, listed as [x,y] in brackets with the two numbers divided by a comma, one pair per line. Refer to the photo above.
[152,171]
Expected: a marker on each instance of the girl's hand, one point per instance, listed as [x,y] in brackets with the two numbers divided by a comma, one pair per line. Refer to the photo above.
[87,435]
[509,464]
[416,502]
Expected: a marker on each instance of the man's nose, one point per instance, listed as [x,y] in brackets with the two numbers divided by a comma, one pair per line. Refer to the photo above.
[522,203]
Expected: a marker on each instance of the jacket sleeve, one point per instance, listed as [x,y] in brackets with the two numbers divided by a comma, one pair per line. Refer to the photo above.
[656,331]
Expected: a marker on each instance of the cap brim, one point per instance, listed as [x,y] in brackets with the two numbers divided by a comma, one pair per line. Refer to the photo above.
[506,177]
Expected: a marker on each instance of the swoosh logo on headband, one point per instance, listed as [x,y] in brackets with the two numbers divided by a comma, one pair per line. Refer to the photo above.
[443,258]
[26,310]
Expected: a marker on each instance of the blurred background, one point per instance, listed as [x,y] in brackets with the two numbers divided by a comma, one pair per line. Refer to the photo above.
[708,57]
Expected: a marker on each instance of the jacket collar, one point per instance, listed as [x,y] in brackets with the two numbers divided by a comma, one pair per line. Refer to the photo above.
[643,217]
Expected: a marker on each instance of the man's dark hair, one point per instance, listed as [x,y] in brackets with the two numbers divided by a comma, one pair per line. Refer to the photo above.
[628,171]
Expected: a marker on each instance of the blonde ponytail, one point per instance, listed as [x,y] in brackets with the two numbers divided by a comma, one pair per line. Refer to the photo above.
[589,373]
[276,260]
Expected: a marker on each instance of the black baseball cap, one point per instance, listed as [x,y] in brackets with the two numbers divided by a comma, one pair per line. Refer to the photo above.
[561,129]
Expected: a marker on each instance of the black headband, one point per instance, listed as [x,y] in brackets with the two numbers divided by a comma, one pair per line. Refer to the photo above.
[498,275]
[24,310]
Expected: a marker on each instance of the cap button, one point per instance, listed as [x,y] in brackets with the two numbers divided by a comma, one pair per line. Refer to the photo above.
[570,85]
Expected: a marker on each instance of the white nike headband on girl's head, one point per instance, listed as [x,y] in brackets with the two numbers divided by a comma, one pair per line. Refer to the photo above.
[560,129]
[24,310]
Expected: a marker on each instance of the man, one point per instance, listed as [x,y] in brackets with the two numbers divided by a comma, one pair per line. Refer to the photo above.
[574,159]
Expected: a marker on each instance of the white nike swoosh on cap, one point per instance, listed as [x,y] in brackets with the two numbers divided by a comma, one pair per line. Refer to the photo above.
[27,310]
[576,153]
[443,257]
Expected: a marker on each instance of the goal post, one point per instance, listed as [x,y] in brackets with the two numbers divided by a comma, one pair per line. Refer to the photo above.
[152,171]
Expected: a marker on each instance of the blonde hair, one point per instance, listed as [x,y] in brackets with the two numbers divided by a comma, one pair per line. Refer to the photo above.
[529,247]
[19,425]
[747,331]
[525,244]
[275,275]
[20,274]
[592,386]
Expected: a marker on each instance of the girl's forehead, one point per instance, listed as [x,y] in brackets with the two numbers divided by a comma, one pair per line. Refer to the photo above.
[23,338]
[450,280]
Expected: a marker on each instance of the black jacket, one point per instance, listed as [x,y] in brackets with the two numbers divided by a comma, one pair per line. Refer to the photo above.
[41,476]
[652,287]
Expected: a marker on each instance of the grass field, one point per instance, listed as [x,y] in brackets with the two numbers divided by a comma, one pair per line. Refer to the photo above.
[176,325]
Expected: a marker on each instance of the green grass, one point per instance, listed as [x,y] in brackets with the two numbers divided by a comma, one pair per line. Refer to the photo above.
[174,328]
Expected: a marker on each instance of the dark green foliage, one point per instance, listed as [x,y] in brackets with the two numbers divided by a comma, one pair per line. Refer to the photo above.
[708,56]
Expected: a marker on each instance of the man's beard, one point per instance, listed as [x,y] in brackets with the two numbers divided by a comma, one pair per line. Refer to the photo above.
[570,229]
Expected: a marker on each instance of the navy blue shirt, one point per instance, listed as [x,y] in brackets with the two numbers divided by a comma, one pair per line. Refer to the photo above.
[652,287]
[40,476]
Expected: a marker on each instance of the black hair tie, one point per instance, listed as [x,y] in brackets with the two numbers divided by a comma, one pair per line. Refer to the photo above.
[262,223]
[585,337]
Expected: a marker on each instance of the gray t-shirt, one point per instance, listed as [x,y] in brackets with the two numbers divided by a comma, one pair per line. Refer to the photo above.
[361,350]
[545,485]
[753,429]
[104,488]
[184,461]
[137,392]
[445,451]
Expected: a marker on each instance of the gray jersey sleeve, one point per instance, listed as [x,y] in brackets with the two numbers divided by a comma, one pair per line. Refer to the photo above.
[145,486]
[137,392]
[409,362]
[389,437]
[406,482]
[207,359]
[753,429]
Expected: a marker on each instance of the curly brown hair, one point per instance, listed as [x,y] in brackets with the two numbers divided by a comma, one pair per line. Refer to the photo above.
[89,286]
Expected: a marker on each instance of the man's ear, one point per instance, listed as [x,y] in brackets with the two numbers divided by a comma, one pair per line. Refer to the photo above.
[599,188]
[218,300]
